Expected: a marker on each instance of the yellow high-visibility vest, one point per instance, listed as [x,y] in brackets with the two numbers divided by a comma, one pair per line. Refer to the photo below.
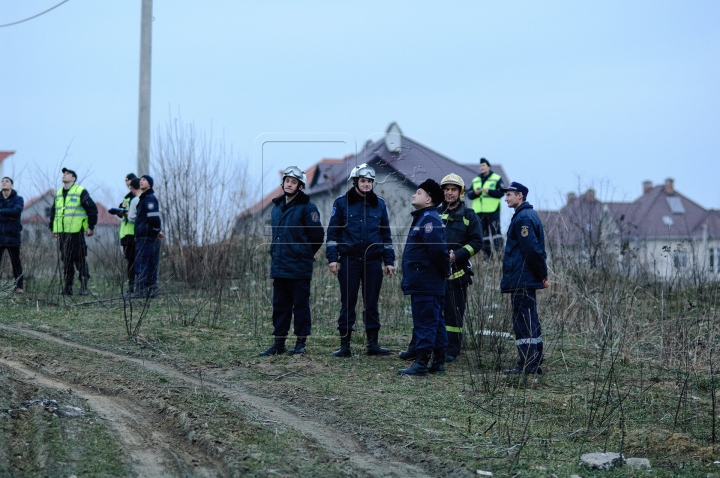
[485,203]
[70,216]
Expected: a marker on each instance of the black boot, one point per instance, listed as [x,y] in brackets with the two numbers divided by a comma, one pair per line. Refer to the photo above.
[411,352]
[67,290]
[419,366]
[299,348]
[372,347]
[344,350]
[438,362]
[84,286]
[277,348]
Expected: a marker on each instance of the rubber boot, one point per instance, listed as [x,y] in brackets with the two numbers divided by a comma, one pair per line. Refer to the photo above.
[84,286]
[277,348]
[299,348]
[372,347]
[411,352]
[344,350]
[438,362]
[419,366]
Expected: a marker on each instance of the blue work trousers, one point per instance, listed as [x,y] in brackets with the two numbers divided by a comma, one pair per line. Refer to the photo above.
[428,322]
[528,335]
[291,297]
[353,272]
[147,262]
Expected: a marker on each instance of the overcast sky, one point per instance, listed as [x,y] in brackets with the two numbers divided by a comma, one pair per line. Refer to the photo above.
[564,95]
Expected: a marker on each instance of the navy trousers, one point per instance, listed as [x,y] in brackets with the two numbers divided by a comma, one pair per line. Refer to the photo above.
[14,253]
[528,334]
[454,311]
[147,261]
[353,272]
[291,297]
[428,323]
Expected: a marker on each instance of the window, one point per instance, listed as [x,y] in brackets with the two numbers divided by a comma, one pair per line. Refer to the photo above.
[712,259]
[680,259]
[48,211]
[676,206]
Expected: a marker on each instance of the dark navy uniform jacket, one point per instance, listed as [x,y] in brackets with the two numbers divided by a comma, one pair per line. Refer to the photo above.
[297,234]
[147,222]
[10,226]
[524,264]
[359,227]
[425,261]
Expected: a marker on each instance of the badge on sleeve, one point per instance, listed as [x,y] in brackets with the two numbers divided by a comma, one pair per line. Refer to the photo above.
[428,228]
[151,206]
[524,231]
[314,216]
[333,211]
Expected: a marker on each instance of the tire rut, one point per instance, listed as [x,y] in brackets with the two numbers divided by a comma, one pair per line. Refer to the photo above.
[332,439]
[152,452]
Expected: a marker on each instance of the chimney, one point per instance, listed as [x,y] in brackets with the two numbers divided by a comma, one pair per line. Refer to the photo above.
[647,186]
[571,197]
[590,195]
[669,188]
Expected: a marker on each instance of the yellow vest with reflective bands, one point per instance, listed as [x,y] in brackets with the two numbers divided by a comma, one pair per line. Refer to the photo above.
[70,216]
[126,228]
[485,203]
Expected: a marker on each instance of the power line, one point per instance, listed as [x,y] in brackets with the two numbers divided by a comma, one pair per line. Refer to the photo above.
[34,16]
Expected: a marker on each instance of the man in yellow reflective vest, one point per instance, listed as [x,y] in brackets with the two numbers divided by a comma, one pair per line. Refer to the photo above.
[486,199]
[72,217]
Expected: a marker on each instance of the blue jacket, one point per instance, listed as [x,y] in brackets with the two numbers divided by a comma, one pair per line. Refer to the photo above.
[10,226]
[297,234]
[359,227]
[425,261]
[524,263]
[147,222]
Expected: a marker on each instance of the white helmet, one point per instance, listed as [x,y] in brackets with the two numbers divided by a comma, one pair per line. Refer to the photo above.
[362,171]
[294,172]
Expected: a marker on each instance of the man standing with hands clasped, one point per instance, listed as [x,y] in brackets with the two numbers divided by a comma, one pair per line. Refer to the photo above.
[524,271]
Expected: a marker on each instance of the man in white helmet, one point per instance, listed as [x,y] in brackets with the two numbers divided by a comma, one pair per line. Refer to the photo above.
[297,234]
[464,239]
[358,244]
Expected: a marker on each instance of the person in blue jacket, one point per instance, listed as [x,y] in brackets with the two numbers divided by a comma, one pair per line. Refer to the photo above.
[425,267]
[11,207]
[297,235]
[524,271]
[148,233]
[358,243]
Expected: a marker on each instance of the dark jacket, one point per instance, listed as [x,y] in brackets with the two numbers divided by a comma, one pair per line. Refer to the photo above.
[297,234]
[425,261]
[87,203]
[524,263]
[359,227]
[147,222]
[463,236]
[10,226]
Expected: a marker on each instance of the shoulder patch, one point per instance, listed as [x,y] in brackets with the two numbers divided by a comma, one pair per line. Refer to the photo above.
[428,227]
[316,217]
[524,231]
[151,205]
[426,213]
[333,211]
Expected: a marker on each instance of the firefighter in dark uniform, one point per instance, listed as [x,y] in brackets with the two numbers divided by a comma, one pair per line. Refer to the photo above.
[524,271]
[425,266]
[297,235]
[486,196]
[358,243]
[464,240]
[72,217]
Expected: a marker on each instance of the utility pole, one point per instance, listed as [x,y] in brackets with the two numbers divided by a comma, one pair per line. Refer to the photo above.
[143,152]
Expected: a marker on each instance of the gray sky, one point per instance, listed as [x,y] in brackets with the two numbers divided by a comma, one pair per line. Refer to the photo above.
[564,94]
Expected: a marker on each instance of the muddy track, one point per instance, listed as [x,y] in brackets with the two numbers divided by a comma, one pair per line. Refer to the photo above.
[332,439]
[151,451]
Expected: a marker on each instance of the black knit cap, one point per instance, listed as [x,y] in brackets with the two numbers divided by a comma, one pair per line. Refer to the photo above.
[434,191]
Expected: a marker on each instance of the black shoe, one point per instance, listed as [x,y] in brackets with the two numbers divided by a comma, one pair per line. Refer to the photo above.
[419,366]
[299,348]
[520,370]
[411,352]
[438,362]
[345,339]
[84,287]
[372,347]
[450,358]
[66,291]
[277,348]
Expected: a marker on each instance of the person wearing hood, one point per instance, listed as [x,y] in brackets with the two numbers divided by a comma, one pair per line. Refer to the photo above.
[358,243]
[425,267]
[297,235]
[11,206]
[148,235]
